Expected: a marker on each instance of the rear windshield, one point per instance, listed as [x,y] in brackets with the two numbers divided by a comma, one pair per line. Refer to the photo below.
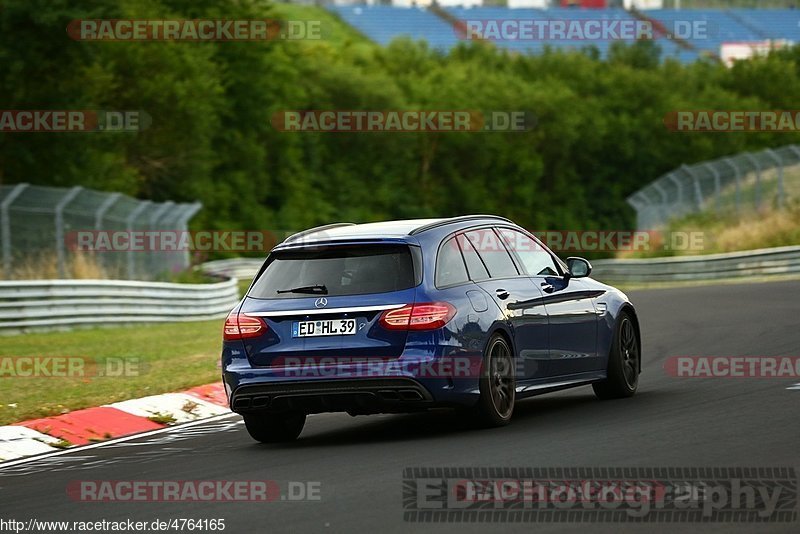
[332,271]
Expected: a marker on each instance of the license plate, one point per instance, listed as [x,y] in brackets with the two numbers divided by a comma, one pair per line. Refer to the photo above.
[328,327]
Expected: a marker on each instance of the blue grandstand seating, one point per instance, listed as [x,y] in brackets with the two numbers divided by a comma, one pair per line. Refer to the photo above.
[384,23]
[501,13]
[772,23]
[720,26]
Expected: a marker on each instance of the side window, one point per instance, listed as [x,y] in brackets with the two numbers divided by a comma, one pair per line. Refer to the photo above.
[477,271]
[450,269]
[535,259]
[494,255]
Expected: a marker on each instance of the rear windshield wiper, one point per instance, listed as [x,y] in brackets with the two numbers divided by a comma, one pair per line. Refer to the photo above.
[318,288]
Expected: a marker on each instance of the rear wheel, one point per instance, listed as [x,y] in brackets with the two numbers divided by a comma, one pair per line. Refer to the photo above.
[497,384]
[275,428]
[623,363]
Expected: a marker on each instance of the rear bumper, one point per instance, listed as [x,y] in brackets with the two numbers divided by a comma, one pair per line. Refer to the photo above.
[412,382]
[355,396]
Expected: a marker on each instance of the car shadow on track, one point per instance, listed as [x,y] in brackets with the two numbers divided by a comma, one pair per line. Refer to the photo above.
[544,413]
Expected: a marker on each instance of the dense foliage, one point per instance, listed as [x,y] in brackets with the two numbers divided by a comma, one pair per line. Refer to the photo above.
[599,133]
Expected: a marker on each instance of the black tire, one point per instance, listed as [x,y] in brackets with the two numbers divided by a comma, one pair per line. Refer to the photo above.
[275,428]
[623,362]
[497,382]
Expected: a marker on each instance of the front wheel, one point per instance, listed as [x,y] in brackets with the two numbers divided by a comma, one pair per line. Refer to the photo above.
[497,384]
[623,363]
[275,428]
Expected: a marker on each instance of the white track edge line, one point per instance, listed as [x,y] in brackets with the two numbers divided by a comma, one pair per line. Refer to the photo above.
[18,461]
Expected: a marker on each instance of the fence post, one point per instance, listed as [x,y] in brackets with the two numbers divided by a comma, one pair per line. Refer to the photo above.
[679,186]
[183,221]
[157,214]
[5,225]
[662,212]
[698,194]
[59,224]
[757,164]
[737,175]
[103,208]
[129,226]
[779,161]
[795,149]
[640,206]
[717,185]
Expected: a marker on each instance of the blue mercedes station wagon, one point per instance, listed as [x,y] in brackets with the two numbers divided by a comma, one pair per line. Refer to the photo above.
[471,312]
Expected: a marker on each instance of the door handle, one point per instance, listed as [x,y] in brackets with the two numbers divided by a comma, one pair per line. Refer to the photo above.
[502,294]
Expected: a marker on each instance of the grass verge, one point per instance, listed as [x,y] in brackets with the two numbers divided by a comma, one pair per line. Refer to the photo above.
[161,358]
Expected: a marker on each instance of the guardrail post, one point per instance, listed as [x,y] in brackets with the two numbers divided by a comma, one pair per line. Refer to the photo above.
[59,223]
[5,225]
[129,225]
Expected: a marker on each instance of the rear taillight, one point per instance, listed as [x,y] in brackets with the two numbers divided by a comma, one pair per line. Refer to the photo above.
[240,326]
[423,316]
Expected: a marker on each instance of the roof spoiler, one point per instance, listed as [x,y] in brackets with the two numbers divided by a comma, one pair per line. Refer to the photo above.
[298,235]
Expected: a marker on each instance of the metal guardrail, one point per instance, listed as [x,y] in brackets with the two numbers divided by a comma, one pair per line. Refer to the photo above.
[44,304]
[762,262]
[241,268]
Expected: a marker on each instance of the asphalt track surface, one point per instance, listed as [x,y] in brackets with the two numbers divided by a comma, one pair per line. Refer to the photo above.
[359,462]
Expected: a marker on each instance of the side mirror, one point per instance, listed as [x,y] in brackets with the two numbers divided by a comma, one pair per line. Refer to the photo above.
[578,267]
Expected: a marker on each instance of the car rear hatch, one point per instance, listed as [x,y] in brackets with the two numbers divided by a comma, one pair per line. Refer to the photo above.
[322,304]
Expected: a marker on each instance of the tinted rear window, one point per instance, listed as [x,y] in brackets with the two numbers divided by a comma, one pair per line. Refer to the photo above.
[492,252]
[450,268]
[477,271]
[351,270]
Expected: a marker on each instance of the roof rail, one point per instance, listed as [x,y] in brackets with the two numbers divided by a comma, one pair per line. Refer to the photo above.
[316,229]
[451,220]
